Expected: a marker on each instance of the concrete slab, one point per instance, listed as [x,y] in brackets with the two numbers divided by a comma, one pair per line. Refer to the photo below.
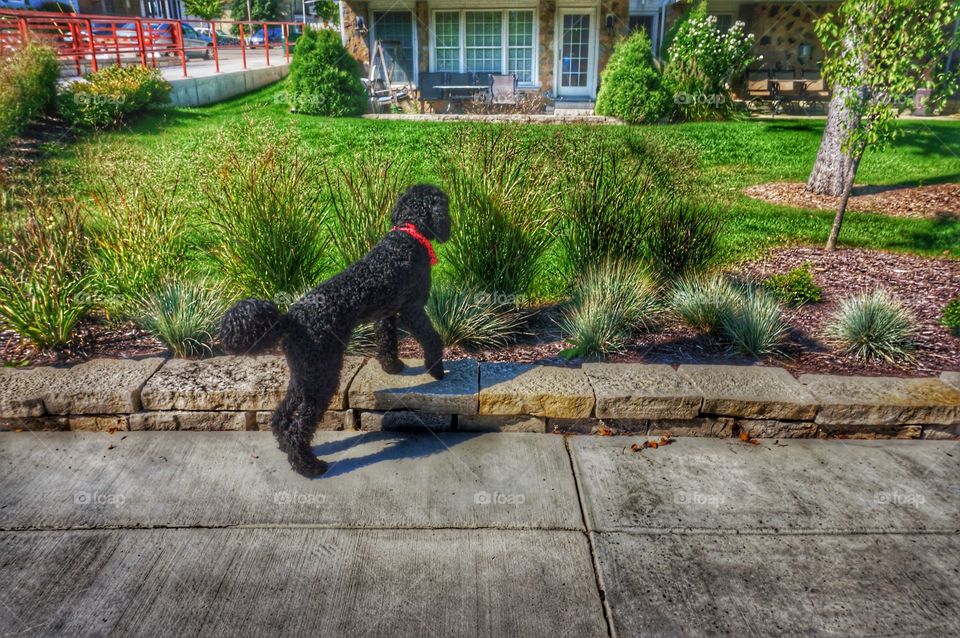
[951,378]
[883,400]
[785,585]
[754,392]
[141,479]
[306,582]
[414,389]
[642,391]
[546,391]
[493,423]
[790,486]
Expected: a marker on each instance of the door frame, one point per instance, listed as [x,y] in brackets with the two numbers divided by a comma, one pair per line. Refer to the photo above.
[592,48]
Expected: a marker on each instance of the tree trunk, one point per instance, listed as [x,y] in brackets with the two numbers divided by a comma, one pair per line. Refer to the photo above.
[833,166]
[842,208]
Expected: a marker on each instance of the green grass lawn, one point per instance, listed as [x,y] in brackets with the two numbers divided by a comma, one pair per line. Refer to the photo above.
[732,155]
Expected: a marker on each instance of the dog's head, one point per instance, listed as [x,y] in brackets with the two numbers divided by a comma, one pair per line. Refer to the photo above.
[427,208]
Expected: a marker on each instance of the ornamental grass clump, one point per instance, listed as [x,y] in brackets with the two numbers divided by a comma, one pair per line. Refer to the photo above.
[874,326]
[184,315]
[610,302]
[471,319]
[754,323]
[702,302]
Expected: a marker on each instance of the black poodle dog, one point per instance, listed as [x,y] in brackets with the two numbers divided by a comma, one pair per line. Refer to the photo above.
[390,284]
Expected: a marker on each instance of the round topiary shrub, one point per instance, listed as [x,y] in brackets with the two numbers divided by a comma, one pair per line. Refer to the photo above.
[631,87]
[324,78]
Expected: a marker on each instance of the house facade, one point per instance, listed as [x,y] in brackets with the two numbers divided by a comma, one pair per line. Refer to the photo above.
[559,47]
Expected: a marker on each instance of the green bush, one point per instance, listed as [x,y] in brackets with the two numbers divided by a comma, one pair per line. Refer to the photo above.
[110,95]
[324,77]
[680,239]
[502,208]
[754,323]
[268,215]
[609,303]
[184,315]
[28,85]
[873,326]
[951,316]
[796,287]
[470,319]
[631,86]
[702,302]
[42,280]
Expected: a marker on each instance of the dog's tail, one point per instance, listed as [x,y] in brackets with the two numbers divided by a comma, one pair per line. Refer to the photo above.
[252,326]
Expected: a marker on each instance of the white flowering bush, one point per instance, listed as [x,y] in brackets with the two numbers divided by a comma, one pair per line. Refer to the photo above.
[704,63]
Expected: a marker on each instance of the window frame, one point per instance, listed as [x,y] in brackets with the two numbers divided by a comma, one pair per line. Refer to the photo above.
[415,80]
[505,46]
[655,25]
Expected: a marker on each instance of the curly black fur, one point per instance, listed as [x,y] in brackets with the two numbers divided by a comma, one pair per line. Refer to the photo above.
[390,285]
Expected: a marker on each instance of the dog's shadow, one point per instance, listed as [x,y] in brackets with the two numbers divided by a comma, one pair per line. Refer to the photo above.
[392,446]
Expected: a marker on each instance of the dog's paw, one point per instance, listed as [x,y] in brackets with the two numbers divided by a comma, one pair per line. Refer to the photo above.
[393,367]
[436,371]
[309,467]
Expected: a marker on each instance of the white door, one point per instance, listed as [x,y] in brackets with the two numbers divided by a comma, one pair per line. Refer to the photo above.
[576,53]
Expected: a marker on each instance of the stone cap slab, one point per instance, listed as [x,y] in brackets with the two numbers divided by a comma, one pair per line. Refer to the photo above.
[642,391]
[951,378]
[883,400]
[230,383]
[414,389]
[753,392]
[21,391]
[548,391]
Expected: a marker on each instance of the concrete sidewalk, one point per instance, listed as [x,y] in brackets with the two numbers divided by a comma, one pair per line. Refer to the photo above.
[154,533]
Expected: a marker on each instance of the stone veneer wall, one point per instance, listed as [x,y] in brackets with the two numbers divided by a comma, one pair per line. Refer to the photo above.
[548,15]
[357,44]
[781,29]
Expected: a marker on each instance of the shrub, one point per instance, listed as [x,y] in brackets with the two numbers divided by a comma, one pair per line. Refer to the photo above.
[951,316]
[873,326]
[184,315]
[324,78]
[472,320]
[796,287]
[362,194]
[680,239]
[502,211]
[110,95]
[754,323]
[28,85]
[701,303]
[138,240]
[631,86]
[609,303]
[268,219]
[42,282]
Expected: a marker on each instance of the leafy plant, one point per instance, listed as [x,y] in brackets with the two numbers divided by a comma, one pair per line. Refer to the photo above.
[206,9]
[796,287]
[112,94]
[28,85]
[873,326]
[702,302]
[184,315]
[680,239]
[609,303]
[471,319]
[324,77]
[42,280]
[951,316]
[268,217]
[502,210]
[631,86]
[754,323]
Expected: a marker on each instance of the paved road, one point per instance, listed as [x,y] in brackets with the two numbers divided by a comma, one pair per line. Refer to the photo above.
[156,533]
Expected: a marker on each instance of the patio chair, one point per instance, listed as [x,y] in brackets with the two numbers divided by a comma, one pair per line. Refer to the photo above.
[503,89]
[429,81]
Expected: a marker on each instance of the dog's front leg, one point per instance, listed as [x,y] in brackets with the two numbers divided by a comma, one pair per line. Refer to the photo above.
[416,321]
[387,346]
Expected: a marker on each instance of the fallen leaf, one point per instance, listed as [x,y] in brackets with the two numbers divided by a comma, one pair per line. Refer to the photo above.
[744,437]
[604,431]
[111,430]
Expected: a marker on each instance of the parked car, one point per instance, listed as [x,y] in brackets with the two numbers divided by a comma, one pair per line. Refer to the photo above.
[161,36]
[274,35]
[223,39]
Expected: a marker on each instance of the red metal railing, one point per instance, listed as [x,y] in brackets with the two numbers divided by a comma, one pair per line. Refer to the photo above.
[88,41]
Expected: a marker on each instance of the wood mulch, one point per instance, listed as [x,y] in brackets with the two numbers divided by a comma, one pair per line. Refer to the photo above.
[936,200]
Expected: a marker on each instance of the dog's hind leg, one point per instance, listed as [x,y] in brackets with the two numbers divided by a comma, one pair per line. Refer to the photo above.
[282,418]
[415,320]
[387,346]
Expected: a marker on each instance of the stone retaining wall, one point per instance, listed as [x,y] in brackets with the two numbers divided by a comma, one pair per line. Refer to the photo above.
[239,393]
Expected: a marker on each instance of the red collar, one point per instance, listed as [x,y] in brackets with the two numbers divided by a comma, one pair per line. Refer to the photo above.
[411,230]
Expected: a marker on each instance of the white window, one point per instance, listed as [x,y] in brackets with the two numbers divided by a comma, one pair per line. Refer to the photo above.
[500,41]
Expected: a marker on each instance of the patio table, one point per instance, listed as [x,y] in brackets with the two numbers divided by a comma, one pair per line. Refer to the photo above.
[447,92]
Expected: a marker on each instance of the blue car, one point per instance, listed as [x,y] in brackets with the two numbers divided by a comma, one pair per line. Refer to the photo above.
[274,35]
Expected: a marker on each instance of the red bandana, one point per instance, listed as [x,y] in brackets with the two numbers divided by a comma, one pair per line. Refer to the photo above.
[411,230]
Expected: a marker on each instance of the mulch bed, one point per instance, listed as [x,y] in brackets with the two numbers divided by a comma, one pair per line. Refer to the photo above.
[917,202]
[923,285]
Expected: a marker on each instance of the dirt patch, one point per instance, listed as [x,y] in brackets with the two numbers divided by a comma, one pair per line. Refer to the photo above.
[917,201]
